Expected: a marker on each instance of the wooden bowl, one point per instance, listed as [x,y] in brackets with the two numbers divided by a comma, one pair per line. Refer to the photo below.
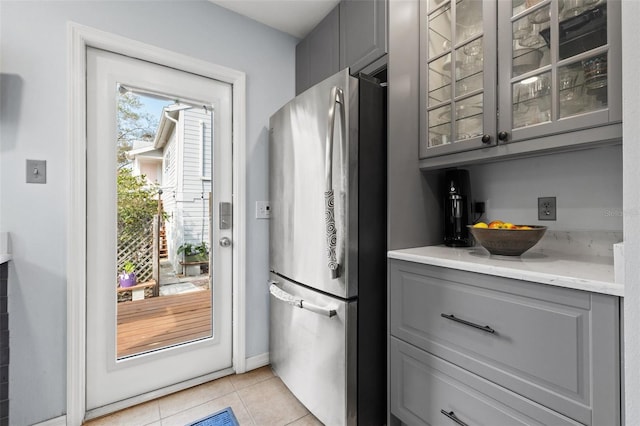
[508,242]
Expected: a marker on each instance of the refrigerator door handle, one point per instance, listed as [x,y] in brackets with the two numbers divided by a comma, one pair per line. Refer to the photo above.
[337,97]
[282,295]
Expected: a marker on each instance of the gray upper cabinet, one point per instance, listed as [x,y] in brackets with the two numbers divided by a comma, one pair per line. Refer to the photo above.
[318,54]
[363,33]
[552,67]
[353,35]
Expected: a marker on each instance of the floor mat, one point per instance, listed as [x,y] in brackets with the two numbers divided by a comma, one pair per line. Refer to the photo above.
[221,418]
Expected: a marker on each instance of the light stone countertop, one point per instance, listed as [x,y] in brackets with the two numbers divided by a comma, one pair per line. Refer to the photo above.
[578,270]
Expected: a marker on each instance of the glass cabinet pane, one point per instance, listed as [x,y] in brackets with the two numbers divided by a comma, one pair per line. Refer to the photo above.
[440,80]
[530,50]
[582,86]
[439,126]
[468,19]
[469,118]
[532,100]
[582,26]
[469,73]
[440,32]
[434,4]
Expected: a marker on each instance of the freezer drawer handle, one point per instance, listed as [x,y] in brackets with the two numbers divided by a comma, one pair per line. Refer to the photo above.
[337,98]
[470,324]
[453,417]
[280,294]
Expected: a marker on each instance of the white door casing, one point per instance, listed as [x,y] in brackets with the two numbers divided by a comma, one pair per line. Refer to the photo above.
[80,38]
[108,380]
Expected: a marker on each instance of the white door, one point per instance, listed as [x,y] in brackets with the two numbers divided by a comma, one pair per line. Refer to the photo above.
[112,378]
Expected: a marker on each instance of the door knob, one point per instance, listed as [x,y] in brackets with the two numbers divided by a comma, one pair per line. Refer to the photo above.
[503,136]
[486,139]
[225,242]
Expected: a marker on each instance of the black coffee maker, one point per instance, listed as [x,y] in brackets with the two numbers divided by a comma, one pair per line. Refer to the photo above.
[457,208]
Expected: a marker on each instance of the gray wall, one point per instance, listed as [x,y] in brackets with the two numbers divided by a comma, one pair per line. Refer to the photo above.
[587,185]
[34,125]
[631,170]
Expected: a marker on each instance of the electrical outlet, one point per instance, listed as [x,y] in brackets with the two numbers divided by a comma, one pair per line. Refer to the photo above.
[547,208]
[263,210]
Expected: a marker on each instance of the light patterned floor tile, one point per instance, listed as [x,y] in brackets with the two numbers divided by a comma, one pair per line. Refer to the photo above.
[196,413]
[271,404]
[192,397]
[252,377]
[142,414]
[308,420]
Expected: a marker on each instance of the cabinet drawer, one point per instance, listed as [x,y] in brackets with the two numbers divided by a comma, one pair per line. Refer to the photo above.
[556,346]
[423,386]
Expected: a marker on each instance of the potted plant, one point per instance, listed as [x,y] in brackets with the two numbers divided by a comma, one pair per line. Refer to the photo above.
[127,277]
[194,253]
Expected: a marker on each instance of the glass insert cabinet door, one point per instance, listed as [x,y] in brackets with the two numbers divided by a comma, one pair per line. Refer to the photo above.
[556,60]
[458,75]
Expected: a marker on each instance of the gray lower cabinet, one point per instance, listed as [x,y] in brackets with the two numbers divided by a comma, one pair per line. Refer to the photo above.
[427,390]
[318,54]
[539,350]
[363,33]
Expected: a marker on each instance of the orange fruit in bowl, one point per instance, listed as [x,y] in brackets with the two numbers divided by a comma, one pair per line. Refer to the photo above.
[508,225]
[524,227]
[495,224]
[480,225]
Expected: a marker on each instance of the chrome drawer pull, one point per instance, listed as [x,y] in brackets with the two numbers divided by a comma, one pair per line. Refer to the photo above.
[453,417]
[470,324]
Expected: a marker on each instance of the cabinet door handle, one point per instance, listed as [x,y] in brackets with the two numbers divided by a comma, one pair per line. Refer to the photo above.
[486,139]
[503,136]
[453,417]
[485,328]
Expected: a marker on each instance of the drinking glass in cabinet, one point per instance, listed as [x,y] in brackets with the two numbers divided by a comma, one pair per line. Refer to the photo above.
[595,72]
[440,32]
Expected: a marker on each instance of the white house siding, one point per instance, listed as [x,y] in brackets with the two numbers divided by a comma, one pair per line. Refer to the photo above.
[196,174]
[173,225]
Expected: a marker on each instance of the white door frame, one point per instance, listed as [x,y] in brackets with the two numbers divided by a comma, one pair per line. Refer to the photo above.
[79,38]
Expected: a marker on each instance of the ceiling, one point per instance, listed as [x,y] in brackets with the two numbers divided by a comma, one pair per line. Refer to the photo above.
[295,17]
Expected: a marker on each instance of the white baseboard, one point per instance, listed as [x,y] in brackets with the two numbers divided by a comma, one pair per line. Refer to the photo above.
[58,421]
[257,361]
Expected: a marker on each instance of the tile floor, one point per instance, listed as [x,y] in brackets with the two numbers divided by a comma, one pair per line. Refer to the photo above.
[257,398]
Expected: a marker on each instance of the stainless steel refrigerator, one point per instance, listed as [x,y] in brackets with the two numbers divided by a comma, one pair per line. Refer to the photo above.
[327,158]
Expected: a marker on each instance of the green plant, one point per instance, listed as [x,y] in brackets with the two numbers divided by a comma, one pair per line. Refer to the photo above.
[128,267]
[190,249]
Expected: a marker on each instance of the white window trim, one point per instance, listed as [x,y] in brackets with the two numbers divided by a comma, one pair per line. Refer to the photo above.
[203,143]
[79,39]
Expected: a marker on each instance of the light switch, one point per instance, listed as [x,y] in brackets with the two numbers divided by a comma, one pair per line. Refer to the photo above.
[263,210]
[36,171]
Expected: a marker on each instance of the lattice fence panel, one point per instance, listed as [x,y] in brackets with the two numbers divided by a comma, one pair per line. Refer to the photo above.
[137,247]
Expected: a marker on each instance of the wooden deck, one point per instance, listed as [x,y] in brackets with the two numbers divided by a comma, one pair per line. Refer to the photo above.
[159,322]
